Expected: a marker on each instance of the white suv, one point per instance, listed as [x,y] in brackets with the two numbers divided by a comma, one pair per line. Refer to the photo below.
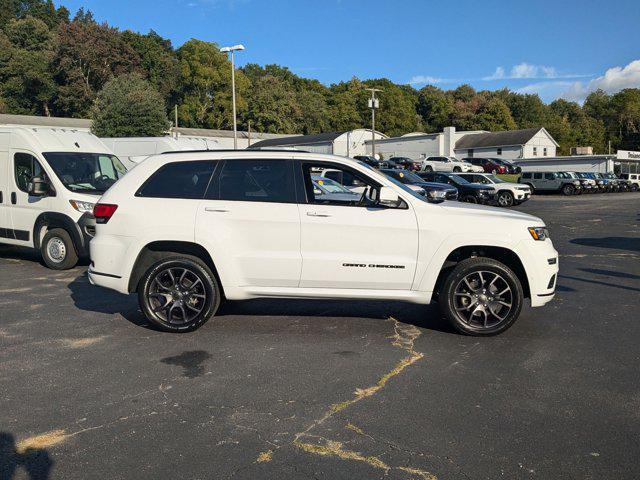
[187,230]
[448,164]
[507,194]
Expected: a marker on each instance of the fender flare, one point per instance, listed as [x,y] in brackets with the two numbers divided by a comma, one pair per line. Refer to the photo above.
[59,220]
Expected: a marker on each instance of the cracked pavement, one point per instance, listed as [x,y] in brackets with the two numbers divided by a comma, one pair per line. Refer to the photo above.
[327,389]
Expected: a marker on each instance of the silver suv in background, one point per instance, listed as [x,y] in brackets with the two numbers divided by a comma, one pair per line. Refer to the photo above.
[551,182]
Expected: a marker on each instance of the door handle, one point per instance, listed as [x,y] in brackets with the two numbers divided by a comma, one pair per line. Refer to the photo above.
[14,199]
[316,214]
[217,210]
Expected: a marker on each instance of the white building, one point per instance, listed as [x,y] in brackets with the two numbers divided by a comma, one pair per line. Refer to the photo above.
[508,145]
[346,144]
[576,163]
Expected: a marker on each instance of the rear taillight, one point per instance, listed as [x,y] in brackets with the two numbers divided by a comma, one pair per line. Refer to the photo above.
[104,211]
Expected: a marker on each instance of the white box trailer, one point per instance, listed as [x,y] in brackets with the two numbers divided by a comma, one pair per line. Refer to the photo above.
[132,150]
[50,180]
[577,163]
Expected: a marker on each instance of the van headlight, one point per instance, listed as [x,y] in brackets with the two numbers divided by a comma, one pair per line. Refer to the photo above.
[82,207]
[539,233]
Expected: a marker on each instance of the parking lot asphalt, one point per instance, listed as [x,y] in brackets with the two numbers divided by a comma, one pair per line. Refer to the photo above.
[331,390]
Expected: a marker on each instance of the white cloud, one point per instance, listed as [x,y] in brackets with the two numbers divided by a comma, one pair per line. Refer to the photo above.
[497,75]
[613,80]
[420,79]
[529,71]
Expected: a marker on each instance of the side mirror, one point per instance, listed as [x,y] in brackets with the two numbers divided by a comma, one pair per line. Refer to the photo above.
[38,187]
[436,196]
[387,197]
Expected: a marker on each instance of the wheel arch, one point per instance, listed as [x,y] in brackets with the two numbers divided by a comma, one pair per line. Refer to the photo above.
[501,254]
[157,250]
[58,220]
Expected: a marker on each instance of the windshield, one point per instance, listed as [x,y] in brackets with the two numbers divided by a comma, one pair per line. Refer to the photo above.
[406,177]
[494,179]
[91,173]
[328,185]
[458,179]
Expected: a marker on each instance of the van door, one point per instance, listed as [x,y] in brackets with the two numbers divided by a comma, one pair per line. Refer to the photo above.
[24,208]
[5,220]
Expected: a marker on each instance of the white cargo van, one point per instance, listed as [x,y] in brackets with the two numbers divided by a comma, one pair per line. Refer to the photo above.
[50,179]
[133,150]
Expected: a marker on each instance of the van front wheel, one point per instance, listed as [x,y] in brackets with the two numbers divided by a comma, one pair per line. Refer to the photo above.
[58,251]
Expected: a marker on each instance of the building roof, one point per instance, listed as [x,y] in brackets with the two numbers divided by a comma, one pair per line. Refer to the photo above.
[32,120]
[499,139]
[208,132]
[326,137]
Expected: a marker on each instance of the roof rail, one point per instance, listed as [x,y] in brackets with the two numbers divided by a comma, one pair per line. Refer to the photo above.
[280,150]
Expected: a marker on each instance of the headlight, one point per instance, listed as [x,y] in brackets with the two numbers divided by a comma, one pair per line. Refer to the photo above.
[539,233]
[82,207]
[576,183]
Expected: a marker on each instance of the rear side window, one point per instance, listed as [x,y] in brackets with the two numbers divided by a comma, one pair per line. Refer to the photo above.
[537,176]
[549,176]
[179,180]
[257,181]
[526,175]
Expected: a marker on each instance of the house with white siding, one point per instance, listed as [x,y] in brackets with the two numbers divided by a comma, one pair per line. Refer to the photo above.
[510,144]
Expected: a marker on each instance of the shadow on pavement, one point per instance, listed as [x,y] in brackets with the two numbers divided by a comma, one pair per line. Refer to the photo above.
[598,282]
[610,273]
[90,298]
[632,244]
[36,462]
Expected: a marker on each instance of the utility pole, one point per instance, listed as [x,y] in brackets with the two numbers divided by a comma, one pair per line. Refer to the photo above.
[175,116]
[233,89]
[248,133]
[373,104]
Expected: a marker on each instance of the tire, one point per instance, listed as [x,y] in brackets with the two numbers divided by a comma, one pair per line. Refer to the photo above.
[457,298]
[505,199]
[470,199]
[58,251]
[457,169]
[634,188]
[568,189]
[531,187]
[164,287]
[428,168]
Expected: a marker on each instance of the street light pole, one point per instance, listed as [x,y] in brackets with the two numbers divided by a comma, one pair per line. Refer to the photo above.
[373,104]
[233,89]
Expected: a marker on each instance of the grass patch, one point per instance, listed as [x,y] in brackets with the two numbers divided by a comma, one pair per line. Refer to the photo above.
[509,177]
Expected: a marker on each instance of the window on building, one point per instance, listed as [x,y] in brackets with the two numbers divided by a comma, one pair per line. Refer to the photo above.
[26,167]
[544,151]
[499,151]
[179,180]
[257,181]
[535,151]
[470,152]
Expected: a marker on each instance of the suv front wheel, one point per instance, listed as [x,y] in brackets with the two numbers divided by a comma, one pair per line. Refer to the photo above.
[481,297]
[179,294]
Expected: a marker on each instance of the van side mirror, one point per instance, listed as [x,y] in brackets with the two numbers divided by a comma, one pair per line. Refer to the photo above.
[39,187]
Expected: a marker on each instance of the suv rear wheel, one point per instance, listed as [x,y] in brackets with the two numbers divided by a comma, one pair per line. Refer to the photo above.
[481,297]
[57,250]
[179,294]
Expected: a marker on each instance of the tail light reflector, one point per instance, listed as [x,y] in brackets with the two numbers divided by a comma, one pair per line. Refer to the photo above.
[104,211]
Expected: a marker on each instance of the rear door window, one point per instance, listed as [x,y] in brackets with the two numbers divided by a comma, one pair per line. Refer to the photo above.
[549,176]
[256,181]
[187,180]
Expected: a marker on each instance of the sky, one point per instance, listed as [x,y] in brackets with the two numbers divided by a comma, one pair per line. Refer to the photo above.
[557,49]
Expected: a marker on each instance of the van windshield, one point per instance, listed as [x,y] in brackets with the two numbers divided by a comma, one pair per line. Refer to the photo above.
[86,172]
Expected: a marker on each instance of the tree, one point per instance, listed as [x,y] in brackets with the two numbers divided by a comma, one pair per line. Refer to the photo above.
[43,10]
[205,86]
[89,55]
[397,113]
[435,107]
[129,106]
[494,115]
[272,106]
[346,99]
[158,61]
[626,118]
[26,55]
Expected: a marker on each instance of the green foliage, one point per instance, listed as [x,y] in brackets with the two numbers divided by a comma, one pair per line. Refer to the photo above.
[51,65]
[129,106]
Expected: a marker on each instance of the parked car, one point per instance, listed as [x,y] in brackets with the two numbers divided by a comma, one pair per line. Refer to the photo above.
[610,184]
[619,184]
[507,193]
[511,168]
[49,182]
[372,161]
[598,182]
[406,163]
[633,179]
[489,165]
[551,182]
[588,185]
[445,164]
[467,191]
[187,230]
[433,189]
[328,190]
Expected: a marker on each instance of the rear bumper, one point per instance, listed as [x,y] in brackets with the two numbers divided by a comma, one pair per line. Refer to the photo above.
[109,255]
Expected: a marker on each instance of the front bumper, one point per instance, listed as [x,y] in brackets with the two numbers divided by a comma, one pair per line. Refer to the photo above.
[541,262]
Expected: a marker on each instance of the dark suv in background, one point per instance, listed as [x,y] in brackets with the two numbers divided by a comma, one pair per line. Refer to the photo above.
[371,161]
[490,165]
[467,191]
